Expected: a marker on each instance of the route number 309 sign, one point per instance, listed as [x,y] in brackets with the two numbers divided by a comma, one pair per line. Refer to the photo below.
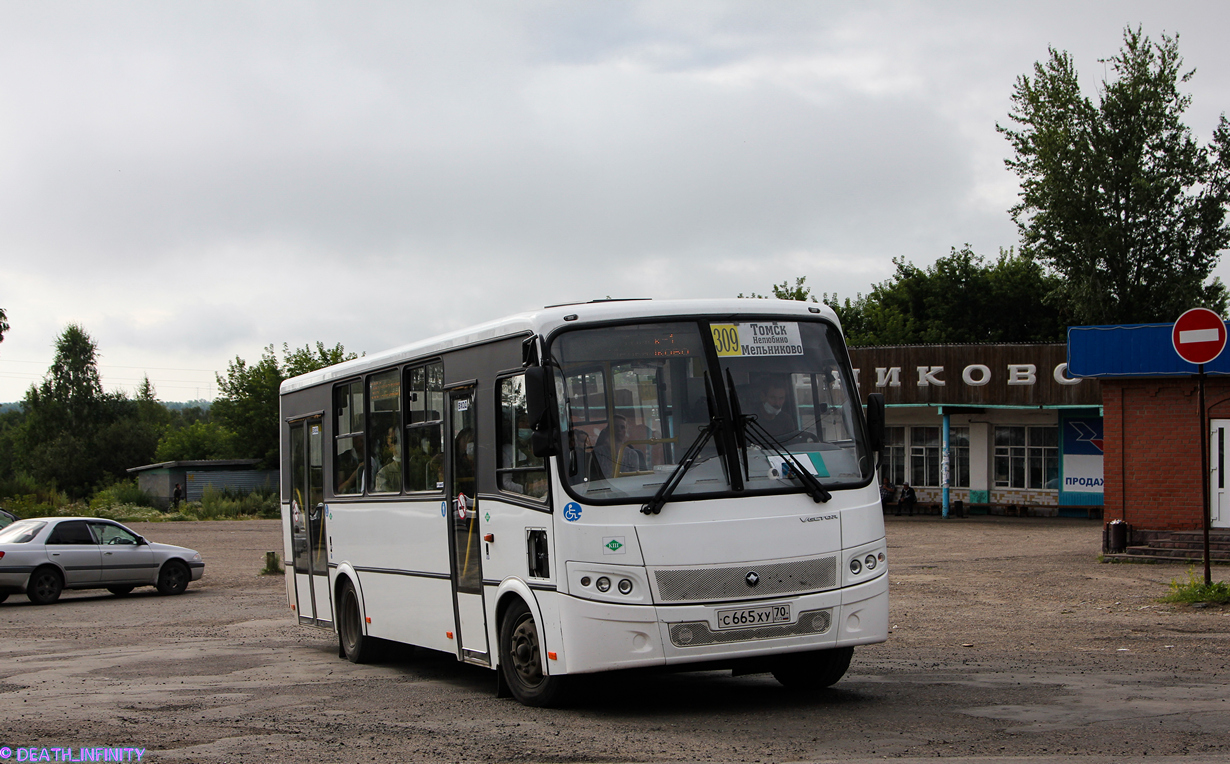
[757,338]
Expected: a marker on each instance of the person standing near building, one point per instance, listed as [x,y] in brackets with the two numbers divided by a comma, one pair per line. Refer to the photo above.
[176,496]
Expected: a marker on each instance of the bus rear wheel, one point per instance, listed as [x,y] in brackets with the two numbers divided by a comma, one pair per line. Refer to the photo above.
[813,671]
[521,660]
[356,647]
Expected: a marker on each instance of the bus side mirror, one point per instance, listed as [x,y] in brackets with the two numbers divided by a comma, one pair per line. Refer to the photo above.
[545,440]
[875,421]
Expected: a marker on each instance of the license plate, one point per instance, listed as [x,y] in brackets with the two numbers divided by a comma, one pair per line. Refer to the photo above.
[747,617]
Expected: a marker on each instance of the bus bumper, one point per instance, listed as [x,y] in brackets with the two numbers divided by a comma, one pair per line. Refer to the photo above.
[600,636]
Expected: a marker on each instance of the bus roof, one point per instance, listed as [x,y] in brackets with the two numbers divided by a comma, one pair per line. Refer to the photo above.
[548,319]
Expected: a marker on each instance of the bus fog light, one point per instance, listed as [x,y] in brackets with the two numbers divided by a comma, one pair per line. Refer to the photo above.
[604,584]
[856,567]
[870,562]
[585,580]
[625,586]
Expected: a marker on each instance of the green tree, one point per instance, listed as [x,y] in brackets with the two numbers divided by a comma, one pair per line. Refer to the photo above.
[73,383]
[4,324]
[785,291]
[1118,197]
[958,298]
[199,440]
[248,404]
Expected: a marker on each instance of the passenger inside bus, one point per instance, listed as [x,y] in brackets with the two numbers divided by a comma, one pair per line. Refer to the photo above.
[613,455]
[388,479]
[350,468]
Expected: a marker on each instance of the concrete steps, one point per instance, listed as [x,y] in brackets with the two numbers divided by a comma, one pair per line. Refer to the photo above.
[1179,546]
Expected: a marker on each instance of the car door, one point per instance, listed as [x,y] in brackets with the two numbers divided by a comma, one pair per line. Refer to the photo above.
[73,548]
[124,559]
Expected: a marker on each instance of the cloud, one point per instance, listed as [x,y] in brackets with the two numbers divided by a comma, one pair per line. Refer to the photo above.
[195,181]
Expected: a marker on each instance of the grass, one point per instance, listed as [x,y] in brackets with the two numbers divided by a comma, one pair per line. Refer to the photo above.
[125,504]
[1195,590]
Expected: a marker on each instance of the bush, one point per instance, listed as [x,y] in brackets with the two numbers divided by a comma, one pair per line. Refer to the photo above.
[233,505]
[122,493]
[1194,590]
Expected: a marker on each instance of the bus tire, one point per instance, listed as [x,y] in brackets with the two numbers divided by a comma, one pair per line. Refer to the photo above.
[814,670]
[356,646]
[521,660]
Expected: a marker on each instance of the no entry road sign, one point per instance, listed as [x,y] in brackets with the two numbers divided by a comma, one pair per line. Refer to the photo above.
[1199,335]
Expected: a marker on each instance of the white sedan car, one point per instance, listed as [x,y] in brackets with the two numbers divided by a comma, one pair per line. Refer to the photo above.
[43,556]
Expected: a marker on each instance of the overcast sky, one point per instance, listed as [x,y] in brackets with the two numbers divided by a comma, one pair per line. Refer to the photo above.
[194,181]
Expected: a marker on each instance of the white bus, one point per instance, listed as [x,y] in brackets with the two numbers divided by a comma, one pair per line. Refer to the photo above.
[590,487]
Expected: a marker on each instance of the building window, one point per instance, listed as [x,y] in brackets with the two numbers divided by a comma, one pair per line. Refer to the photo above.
[1043,457]
[892,469]
[925,456]
[1026,457]
[958,457]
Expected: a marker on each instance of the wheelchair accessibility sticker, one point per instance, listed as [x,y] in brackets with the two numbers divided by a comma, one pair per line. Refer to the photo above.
[572,512]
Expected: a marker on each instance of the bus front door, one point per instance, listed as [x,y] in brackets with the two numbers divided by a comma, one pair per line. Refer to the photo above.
[309,539]
[465,530]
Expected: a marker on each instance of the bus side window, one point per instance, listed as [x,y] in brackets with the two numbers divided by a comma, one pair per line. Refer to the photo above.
[349,452]
[424,443]
[517,470]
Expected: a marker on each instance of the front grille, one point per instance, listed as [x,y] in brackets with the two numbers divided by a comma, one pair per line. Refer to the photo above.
[727,583]
[698,633]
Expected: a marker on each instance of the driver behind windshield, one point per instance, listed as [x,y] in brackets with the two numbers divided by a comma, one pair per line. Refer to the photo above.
[611,450]
[773,414]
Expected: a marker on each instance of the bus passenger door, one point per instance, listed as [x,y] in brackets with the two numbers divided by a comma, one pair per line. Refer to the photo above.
[466,529]
[309,539]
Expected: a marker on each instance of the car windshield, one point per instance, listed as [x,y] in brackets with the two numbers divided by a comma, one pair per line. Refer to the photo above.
[21,531]
[633,400]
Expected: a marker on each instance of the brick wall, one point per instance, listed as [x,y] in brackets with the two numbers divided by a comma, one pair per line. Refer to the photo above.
[1151,448]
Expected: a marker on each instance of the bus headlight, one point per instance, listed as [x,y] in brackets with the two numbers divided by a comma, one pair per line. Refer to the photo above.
[603,584]
[625,586]
[856,567]
[870,562]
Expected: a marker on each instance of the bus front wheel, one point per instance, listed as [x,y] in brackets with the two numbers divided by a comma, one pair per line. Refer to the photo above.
[521,660]
[356,647]
[813,671]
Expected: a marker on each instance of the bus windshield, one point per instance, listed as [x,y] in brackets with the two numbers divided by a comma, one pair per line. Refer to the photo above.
[634,399]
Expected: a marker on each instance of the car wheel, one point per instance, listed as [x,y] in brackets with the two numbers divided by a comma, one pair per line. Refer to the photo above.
[45,586]
[813,671]
[356,646]
[173,578]
[521,660]
[119,591]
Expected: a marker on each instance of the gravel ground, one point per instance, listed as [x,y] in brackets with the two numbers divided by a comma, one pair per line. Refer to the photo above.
[1010,641]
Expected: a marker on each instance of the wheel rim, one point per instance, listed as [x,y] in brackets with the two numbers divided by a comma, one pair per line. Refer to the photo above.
[523,651]
[175,578]
[45,585]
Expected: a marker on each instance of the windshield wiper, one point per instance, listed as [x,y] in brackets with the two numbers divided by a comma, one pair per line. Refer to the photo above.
[763,438]
[654,506]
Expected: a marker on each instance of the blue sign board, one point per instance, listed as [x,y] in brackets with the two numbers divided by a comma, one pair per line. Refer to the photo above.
[1131,350]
